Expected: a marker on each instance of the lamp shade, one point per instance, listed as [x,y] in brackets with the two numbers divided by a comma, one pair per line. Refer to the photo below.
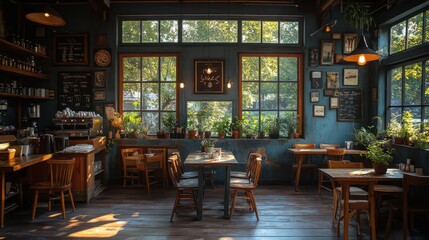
[362,53]
[48,17]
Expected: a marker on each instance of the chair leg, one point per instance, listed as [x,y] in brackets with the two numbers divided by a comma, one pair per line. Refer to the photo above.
[63,205]
[49,201]
[175,206]
[71,199]
[36,195]
[147,182]
[335,206]
[389,223]
[234,199]
[253,200]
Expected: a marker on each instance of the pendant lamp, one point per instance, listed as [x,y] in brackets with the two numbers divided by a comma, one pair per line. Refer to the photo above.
[362,54]
[48,16]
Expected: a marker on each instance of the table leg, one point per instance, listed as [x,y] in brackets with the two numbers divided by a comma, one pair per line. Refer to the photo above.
[298,171]
[200,192]
[372,221]
[3,190]
[227,192]
[346,188]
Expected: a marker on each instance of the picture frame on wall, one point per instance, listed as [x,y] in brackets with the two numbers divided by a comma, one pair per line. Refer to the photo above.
[350,77]
[314,96]
[330,92]
[100,79]
[336,36]
[318,110]
[327,52]
[332,80]
[314,57]
[316,79]
[333,102]
[350,42]
[99,95]
[70,49]
[209,76]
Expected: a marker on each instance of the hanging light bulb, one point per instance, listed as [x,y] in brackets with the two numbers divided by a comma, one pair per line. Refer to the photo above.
[209,70]
[361,60]
[48,16]
[229,84]
[182,85]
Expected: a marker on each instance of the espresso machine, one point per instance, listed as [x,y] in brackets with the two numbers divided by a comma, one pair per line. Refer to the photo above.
[34,116]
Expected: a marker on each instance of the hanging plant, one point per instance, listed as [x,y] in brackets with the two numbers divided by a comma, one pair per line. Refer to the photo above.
[358,17]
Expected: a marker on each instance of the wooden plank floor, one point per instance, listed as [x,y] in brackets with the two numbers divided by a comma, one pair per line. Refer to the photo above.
[124,213]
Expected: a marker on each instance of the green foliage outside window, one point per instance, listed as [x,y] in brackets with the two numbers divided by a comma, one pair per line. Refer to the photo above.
[409,33]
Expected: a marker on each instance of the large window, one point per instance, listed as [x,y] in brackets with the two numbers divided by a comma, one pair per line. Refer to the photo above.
[410,33]
[203,115]
[409,90]
[271,88]
[148,88]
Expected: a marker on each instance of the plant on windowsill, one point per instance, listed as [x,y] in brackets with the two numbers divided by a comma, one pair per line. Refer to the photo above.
[250,126]
[409,128]
[363,137]
[133,125]
[395,131]
[380,154]
[169,123]
[192,129]
[236,127]
[222,127]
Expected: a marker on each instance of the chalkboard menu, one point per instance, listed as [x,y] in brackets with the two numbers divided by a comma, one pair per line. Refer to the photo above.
[74,90]
[208,76]
[349,104]
[70,49]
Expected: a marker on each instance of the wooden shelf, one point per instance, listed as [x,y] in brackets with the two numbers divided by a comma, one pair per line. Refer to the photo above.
[8,47]
[24,96]
[22,73]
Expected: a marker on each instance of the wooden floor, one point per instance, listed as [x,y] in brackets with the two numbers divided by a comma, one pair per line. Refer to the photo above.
[124,213]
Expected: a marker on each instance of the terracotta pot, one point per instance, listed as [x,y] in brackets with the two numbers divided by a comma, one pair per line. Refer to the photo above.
[261,134]
[192,134]
[380,168]
[235,134]
[207,134]
[221,135]
[398,140]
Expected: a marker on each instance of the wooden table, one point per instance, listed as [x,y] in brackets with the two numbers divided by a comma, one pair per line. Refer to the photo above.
[161,161]
[13,165]
[201,160]
[301,153]
[350,176]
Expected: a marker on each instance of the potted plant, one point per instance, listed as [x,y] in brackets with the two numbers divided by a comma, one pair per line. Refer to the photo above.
[169,123]
[192,132]
[250,126]
[222,127]
[363,137]
[358,16]
[273,128]
[236,127]
[292,126]
[208,145]
[409,129]
[132,125]
[380,154]
[395,131]
[421,139]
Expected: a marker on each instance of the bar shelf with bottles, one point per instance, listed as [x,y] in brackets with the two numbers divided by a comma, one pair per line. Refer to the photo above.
[13,89]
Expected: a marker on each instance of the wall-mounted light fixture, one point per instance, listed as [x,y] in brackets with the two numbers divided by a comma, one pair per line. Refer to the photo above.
[47,16]
[182,85]
[229,84]
[326,28]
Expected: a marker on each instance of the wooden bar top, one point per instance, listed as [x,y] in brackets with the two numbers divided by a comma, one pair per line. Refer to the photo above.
[21,162]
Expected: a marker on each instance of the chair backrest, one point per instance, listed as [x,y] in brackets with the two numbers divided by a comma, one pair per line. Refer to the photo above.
[261,151]
[344,164]
[256,171]
[150,161]
[304,145]
[171,172]
[335,154]
[174,159]
[61,172]
[159,151]
[250,164]
[125,152]
[179,162]
[329,145]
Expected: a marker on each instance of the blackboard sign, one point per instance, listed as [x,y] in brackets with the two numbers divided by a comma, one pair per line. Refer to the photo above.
[74,90]
[208,76]
[70,49]
[349,104]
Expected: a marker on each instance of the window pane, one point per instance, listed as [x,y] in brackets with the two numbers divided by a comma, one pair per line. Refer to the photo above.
[205,113]
[151,119]
[426,114]
[169,31]
[223,31]
[131,31]
[417,115]
[396,87]
[415,30]
[397,38]
[288,96]
[131,96]
[266,118]
[194,31]
[131,69]
[269,69]
[270,32]
[250,69]
[250,95]
[413,80]
[393,113]
[286,115]
[168,96]
[426,93]
[269,96]
[150,31]
[250,122]
[150,69]
[167,115]
[288,69]
[168,69]
[251,31]
[289,32]
[150,96]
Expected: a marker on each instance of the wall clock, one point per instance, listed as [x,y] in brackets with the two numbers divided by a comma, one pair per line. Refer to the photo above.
[102,58]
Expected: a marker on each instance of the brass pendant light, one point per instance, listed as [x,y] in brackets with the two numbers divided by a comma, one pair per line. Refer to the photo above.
[48,16]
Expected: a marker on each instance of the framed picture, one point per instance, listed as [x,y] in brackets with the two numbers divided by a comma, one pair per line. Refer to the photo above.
[100,95]
[333,102]
[350,77]
[350,42]
[209,76]
[327,52]
[109,109]
[316,79]
[329,92]
[70,49]
[318,110]
[314,96]
[336,36]
[332,80]
[314,57]
[100,79]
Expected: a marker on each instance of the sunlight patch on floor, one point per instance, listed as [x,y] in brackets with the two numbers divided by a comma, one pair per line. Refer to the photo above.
[102,231]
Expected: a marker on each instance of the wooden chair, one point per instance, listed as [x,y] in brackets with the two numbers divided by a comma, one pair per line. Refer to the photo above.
[307,166]
[147,165]
[181,170]
[249,167]
[129,166]
[59,184]
[332,154]
[247,188]
[186,190]
[162,152]
[329,145]
[410,203]
[358,196]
